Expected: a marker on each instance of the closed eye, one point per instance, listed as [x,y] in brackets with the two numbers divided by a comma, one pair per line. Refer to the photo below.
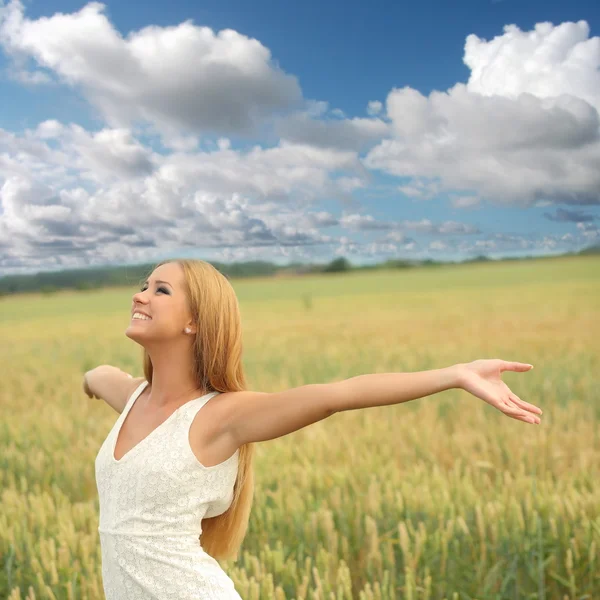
[160,289]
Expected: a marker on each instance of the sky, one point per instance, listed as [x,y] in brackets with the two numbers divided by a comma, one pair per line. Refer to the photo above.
[131,132]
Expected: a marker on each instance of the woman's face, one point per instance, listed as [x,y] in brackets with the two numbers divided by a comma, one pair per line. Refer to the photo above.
[163,299]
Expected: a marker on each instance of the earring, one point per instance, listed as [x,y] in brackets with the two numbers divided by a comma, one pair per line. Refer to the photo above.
[188,330]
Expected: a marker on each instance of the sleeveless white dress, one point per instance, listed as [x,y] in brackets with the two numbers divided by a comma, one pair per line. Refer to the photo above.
[152,502]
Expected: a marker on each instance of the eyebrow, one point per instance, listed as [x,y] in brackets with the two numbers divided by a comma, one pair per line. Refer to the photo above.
[159,281]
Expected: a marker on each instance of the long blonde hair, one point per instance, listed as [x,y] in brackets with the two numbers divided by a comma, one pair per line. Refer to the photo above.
[218,367]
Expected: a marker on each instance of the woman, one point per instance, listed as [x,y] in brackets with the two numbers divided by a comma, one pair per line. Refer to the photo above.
[172,469]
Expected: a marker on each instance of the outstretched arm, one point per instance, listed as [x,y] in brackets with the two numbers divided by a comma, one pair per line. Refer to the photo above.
[255,416]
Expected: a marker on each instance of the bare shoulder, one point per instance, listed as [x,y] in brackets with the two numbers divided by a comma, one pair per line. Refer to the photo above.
[219,415]
[135,383]
[211,437]
[113,385]
[230,403]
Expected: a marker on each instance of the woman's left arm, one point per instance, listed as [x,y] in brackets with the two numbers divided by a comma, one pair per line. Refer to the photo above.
[258,416]
[482,378]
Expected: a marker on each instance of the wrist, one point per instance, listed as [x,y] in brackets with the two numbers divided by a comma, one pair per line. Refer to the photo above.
[457,371]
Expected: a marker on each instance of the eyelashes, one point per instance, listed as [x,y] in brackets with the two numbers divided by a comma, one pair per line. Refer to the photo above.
[160,289]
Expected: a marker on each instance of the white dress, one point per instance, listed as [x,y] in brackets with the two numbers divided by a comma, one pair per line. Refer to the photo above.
[152,502]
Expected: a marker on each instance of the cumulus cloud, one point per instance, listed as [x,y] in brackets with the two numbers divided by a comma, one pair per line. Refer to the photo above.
[178,77]
[347,134]
[525,128]
[546,62]
[93,192]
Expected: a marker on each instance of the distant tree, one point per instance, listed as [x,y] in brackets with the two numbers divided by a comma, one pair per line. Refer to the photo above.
[397,263]
[595,249]
[48,289]
[337,265]
[479,258]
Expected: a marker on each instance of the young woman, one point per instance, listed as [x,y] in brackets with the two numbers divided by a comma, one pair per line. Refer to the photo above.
[176,469]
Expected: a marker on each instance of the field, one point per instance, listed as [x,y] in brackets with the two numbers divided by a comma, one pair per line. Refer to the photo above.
[442,497]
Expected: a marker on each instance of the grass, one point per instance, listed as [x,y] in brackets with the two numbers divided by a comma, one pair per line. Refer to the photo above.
[439,498]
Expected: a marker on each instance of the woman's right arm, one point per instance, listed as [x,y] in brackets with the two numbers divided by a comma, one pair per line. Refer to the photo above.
[110,384]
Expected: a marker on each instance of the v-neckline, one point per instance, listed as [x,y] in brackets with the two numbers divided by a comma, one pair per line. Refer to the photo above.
[136,394]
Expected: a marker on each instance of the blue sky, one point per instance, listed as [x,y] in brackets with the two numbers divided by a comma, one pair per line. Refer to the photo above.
[263,144]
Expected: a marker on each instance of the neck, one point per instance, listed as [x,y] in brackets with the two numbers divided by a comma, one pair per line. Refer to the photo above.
[173,382]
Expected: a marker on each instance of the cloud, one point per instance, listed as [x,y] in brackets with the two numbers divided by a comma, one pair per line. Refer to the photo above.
[427,226]
[465,201]
[546,62]
[89,193]
[524,129]
[183,77]
[110,154]
[569,216]
[347,134]
[357,222]
[374,107]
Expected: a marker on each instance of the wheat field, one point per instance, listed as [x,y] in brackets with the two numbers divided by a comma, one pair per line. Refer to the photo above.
[442,497]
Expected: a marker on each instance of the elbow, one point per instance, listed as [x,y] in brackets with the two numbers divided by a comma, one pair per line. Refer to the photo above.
[337,397]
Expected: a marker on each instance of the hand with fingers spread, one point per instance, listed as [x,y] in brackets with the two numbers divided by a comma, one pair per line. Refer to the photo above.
[483,378]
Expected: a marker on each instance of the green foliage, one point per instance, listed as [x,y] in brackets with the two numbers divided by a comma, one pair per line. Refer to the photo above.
[337,265]
[133,275]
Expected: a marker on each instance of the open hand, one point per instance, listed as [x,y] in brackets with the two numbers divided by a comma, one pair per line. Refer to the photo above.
[482,378]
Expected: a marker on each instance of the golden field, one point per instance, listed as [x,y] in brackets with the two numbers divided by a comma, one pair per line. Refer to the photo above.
[442,497]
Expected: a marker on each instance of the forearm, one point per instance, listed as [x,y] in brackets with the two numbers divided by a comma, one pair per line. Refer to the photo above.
[384,389]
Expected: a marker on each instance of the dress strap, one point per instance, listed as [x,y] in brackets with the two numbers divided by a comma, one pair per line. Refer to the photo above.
[134,396]
[193,406]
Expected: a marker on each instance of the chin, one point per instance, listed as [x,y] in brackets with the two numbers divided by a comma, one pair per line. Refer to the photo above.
[132,335]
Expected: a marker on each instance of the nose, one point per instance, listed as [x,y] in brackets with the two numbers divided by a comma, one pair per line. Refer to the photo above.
[138,298]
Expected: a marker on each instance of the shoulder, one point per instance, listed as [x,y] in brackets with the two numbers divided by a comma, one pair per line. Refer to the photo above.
[228,407]
[212,437]
[135,383]
[229,402]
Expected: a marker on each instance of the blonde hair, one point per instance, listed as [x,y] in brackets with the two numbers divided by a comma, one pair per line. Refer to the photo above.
[218,367]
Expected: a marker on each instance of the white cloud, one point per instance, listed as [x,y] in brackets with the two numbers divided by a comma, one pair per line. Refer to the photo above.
[439,245]
[465,201]
[524,129]
[93,192]
[30,77]
[374,108]
[183,77]
[110,153]
[356,222]
[426,226]
[546,62]
[421,188]
[49,129]
[347,134]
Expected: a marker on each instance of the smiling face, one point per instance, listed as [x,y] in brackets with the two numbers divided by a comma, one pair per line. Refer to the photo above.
[163,299]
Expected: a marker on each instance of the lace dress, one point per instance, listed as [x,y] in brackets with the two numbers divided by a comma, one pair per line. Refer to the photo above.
[152,502]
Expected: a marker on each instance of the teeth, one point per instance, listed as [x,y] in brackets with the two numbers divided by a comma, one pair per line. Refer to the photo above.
[139,316]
